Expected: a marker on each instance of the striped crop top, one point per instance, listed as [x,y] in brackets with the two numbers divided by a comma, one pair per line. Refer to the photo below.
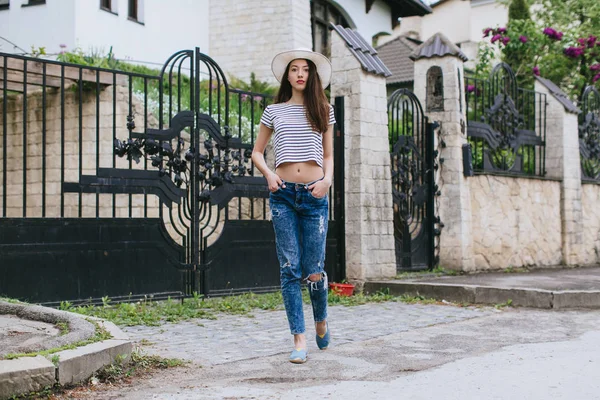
[294,139]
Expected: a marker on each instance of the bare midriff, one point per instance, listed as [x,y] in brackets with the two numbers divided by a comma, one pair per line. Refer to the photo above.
[300,172]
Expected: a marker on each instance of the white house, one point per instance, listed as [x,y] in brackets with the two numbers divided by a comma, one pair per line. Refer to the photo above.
[462,21]
[145,30]
[240,35]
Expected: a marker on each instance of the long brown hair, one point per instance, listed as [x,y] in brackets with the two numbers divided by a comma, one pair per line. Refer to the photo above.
[315,101]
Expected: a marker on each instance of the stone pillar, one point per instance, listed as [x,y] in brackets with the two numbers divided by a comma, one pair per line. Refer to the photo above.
[369,209]
[246,34]
[456,242]
[563,162]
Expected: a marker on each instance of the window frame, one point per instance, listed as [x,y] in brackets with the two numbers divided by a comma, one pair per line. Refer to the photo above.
[103,7]
[135,4]
[340,19]
[32,3]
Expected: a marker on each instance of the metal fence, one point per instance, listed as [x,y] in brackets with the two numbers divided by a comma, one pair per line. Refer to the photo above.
[589,135]
[506,125]
[107,176]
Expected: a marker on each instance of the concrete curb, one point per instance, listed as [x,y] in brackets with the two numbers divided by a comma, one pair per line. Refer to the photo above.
[476,294]
[31,374]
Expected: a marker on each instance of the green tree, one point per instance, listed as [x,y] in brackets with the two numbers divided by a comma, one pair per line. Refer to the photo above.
[576,65]
[518,9]
[519,21]
[559,42]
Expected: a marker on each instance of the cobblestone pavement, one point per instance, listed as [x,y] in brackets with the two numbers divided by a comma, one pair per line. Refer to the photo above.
[231,338]
[380,351]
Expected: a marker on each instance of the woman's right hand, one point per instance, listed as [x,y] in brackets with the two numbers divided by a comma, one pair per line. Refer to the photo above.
[274,182]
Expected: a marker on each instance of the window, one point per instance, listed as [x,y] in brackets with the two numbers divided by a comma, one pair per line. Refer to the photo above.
[136,10]
[34,3]
[322,13]
[109,5]
[4,4]
[133,9]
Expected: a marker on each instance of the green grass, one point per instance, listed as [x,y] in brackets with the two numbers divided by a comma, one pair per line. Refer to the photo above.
[518,270]
[9,300]
[157,313]
[508,303]
[437,271]
[63,327]
[139,362]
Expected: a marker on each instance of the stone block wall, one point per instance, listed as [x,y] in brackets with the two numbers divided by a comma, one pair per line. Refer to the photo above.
[245,35]
[516,222]
[590,200]
[33,122]
[369,207]
[496,222]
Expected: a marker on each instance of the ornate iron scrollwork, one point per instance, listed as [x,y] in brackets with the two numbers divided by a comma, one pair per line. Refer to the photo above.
[218,163]
[502,130]
[413,189]
[589,134]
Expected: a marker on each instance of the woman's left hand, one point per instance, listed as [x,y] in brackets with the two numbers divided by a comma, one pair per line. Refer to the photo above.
[319,189]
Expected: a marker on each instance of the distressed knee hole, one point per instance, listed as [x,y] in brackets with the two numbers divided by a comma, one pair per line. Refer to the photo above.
[315,277]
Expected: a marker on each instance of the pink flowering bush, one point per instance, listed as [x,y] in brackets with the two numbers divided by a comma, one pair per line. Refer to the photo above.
[569,60]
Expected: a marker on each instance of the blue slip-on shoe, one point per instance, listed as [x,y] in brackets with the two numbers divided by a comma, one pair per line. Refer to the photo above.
[298,356]
[323,341]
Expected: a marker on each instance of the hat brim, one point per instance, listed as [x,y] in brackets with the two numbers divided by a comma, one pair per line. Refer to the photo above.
[281,61]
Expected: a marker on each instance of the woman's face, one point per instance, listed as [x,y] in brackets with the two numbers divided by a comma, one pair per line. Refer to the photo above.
[298,74]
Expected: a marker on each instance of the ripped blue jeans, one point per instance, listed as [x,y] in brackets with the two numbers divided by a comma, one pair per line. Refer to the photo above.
[300,223]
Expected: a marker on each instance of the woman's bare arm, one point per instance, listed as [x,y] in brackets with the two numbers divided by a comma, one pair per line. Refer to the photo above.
[258,157]
[320,188]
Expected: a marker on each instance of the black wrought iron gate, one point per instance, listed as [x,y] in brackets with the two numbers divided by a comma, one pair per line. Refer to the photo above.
[169,206]
[413,166]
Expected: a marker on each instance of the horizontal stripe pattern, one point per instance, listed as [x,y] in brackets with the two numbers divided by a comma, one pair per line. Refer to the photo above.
[294,138]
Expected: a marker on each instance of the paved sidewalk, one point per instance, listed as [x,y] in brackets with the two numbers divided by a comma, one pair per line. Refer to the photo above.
[418,352]
[233,338]
[544,288]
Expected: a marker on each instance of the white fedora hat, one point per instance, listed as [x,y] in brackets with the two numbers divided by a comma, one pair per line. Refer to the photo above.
[281,61]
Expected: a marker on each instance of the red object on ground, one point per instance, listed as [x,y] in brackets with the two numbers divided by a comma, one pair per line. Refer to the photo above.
[342,289]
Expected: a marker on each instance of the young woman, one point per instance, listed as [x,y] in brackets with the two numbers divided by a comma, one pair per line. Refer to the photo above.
[301,120]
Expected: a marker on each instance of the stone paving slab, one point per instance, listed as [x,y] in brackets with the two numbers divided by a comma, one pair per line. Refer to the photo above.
[572,279]
[31,328]
[548,288]
[17,334]
[24,375]
[232,338]
[77,365]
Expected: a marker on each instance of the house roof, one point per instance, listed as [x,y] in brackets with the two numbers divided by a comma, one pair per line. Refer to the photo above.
[438,46]
[559,95]
[362,50]
[437,3]
[408,8]
[395,54]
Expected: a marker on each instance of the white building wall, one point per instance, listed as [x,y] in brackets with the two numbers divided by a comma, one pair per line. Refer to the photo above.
[48,25]
[245,35]
[489,14]
[167,28]
[460,21]
[451,18]
[377,20]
